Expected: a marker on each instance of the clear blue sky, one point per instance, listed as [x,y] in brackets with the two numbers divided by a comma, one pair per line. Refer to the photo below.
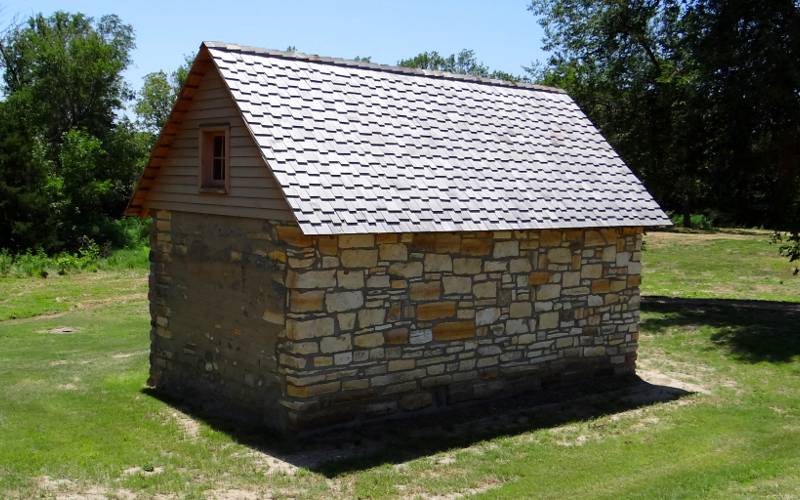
[504,35]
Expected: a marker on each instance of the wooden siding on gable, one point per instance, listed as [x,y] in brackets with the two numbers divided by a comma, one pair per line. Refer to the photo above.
[253,191]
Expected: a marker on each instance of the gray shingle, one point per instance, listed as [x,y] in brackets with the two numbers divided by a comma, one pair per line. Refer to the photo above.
[360,148]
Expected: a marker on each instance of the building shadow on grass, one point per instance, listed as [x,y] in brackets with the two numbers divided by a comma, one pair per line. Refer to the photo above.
[369,445]
[751,330]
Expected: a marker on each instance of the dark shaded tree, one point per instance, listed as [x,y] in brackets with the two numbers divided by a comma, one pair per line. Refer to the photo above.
[465,62]
[701,98]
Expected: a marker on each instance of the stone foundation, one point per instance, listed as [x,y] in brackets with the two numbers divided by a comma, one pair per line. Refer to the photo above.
[302,332]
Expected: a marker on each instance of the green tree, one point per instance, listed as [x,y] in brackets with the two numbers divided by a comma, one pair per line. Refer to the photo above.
[465,62]
[155,99]
[701,98]
[67,163]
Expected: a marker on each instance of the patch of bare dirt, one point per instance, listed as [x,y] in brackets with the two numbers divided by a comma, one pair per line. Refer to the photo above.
[143,471]
[67,489]
[64,330]
[656,377]
[483,488]
[269,464]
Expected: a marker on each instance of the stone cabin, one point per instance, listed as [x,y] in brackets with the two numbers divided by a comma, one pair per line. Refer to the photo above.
[336,241]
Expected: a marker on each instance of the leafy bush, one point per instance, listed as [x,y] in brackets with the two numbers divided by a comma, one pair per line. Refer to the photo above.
[90,257]
[789,246]
[698,221]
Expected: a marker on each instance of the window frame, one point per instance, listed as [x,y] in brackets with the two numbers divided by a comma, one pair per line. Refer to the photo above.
[206,183]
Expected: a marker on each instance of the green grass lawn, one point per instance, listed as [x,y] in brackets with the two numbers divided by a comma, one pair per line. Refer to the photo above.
[75,418]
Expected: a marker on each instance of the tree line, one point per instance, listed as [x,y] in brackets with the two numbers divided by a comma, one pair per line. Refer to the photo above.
[701,98]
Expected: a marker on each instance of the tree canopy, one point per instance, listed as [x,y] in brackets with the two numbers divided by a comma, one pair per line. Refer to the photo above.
[67,161]
[701,97]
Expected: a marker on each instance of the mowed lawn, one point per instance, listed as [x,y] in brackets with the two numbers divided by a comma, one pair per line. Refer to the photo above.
[76,420]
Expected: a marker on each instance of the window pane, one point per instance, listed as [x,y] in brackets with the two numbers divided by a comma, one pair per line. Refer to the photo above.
[218,172]
[219,145]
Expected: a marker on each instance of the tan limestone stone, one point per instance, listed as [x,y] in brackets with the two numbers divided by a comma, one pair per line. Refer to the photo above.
[520,310]
[485,290]
[393,252]
[435,262]
[457,284]
[396,336]
[517,266]
[328,245]
[344,301]
[351,280]
[436,310]
[338,343]
[601,286]
[538,278]
[368,340]
[397,365]
[347,321]
[356,241]
[454,330]
[504,249]
[476,246]
[559,255]
[406,269]
[592,271]
[487,316]
[359,258]
[550,238]
[548,320]
[309,328]
[467,266]
[371,317]
[548,292]
[311,279]
[425,290]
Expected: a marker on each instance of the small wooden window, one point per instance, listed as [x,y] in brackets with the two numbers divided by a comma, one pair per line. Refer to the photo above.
[214,160]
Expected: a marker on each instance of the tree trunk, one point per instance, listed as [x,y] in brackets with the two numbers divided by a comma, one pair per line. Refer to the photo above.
[687,218]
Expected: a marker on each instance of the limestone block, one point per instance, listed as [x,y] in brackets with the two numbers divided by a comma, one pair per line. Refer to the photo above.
[309,328]
[436,310]
[476,246]
[516,326]
[371,317]
[378,281]
[347,321]
[592,271]
[343,358]
[306,301]
[469,266]
[418,337]
[559,255]
[311,279]
[406,269]
[338,343]
[369,340]
[454,330]
[352,280]
[487,316]
[359,258]
[485,290]
[397,365]
[538,278]
[396,336]
[416,401]
[503,249]
[435,262]
[520,310]
[356,241]
[393,252]
[457,284]
[517,266]
[547,292]
[548,320]
[425,290]
[344,301]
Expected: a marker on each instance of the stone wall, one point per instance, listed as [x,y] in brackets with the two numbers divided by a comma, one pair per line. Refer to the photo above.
[392,323]
[300,332]
[216,300]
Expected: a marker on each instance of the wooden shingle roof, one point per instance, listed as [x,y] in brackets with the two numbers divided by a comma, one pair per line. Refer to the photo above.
[364,148]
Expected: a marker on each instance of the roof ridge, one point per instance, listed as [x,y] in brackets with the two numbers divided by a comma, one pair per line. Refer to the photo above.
[351,63]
